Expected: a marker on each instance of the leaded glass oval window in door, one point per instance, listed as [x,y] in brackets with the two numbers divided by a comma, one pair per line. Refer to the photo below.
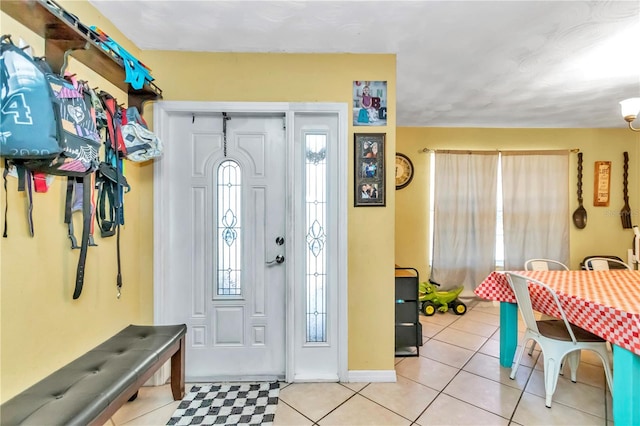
[229,230]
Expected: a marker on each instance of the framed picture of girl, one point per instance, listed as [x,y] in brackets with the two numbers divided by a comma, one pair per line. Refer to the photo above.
[369,170]
[369,103]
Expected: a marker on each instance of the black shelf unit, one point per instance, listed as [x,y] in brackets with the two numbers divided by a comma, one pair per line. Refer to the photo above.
[63,33]
[408,330]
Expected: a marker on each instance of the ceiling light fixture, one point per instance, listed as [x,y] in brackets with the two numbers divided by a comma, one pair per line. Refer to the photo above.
[630,109]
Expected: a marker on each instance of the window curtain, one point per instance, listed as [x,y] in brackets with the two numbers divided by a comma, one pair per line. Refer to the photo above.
[535,192]
[464,235]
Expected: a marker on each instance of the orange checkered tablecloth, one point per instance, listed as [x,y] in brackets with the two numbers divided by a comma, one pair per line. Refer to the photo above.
[607,303]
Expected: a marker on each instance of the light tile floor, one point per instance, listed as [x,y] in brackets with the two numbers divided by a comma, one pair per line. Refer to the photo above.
[456,380]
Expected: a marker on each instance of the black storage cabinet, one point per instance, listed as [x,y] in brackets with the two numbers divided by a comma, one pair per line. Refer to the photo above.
[408,327]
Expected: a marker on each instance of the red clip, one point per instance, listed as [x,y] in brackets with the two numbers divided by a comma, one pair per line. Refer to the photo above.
[40,182]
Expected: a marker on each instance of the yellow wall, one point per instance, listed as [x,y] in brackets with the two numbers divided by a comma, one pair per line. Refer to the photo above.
[603,233]
[313,78]
[42,328]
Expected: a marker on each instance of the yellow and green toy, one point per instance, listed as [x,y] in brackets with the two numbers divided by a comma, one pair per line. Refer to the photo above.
[432,300]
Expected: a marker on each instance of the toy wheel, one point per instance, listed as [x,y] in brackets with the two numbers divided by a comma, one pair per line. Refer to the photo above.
[459,308]
[428,308]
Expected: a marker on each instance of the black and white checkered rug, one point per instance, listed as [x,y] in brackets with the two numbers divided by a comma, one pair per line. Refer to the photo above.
[228,404]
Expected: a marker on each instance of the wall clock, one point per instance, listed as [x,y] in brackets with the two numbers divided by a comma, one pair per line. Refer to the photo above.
[404,170]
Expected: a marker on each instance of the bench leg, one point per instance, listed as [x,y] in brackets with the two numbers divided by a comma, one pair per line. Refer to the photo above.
[177,372]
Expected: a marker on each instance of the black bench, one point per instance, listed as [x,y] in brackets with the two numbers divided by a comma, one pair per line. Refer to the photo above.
[90,389]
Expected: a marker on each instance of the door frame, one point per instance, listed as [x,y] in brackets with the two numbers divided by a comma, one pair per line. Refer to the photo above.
[339,260]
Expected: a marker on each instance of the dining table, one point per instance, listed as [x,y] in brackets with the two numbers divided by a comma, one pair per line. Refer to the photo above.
[606,303]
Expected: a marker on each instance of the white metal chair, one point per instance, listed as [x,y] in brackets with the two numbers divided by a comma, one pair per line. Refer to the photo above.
[544,265]
[603,264]
[557,338]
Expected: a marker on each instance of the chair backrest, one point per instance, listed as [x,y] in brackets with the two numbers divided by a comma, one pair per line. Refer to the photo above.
[544,265]
[520,286]
[603,264]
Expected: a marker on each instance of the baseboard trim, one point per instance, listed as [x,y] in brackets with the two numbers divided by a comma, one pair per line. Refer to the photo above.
[362,376]
[314,378]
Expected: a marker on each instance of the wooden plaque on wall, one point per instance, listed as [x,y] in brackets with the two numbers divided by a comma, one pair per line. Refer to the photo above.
[601,183]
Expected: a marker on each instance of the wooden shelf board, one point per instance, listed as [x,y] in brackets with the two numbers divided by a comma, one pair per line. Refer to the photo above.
[62,32]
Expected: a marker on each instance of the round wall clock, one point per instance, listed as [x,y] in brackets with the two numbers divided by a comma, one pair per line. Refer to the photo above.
[404,170]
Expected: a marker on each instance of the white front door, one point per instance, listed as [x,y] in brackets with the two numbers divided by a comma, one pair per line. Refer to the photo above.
[220,211]
[226,230]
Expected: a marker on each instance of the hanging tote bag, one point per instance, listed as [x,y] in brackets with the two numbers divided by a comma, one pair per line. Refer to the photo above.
[77,132]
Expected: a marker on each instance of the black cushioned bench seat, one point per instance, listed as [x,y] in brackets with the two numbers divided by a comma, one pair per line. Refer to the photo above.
[91,388]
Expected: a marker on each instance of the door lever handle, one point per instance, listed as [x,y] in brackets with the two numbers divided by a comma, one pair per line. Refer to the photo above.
[279,259]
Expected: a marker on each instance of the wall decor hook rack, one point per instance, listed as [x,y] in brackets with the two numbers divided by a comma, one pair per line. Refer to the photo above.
[65,35]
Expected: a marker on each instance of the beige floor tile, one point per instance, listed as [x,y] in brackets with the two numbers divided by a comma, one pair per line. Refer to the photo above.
[405,397]
[488,307]
[483,317]
[484,393]
[474,327]
[430,329]
[591,357]
[441,318]
[461,338]
[529,360]
[580,396]
[159,416]
[446,410]
[149,398]
[361,411]
[496,335]
[356,387]
[283,385]
[426,371]
[589,374]
[491,348]
[287,416]
[481,393]
[315,400]
[489,367]
[445,353]
[532,411]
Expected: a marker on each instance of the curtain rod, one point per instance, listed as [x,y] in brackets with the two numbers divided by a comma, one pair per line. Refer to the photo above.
[503,152]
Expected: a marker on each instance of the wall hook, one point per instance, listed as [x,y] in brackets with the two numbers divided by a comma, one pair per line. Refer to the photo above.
[67,52]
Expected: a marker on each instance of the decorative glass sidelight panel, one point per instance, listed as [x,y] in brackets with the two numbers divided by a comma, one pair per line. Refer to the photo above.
[229,229]
[316,217]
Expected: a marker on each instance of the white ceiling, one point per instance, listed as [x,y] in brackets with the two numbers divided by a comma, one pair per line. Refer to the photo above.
[459,63]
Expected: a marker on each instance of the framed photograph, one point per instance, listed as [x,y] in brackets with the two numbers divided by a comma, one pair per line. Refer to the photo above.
[601,183]
[369,103]
[369,172]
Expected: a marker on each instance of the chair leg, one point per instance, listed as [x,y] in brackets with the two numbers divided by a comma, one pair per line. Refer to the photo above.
[551,369]
[517,359]
[573,358]
[533,346]
[604,357]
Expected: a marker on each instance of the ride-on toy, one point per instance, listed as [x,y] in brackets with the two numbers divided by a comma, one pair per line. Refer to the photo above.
[432,300]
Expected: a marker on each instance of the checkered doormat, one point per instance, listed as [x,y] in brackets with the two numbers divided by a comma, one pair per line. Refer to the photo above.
[228,404]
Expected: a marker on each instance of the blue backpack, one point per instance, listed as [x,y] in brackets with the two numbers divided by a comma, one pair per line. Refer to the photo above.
[28,117]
